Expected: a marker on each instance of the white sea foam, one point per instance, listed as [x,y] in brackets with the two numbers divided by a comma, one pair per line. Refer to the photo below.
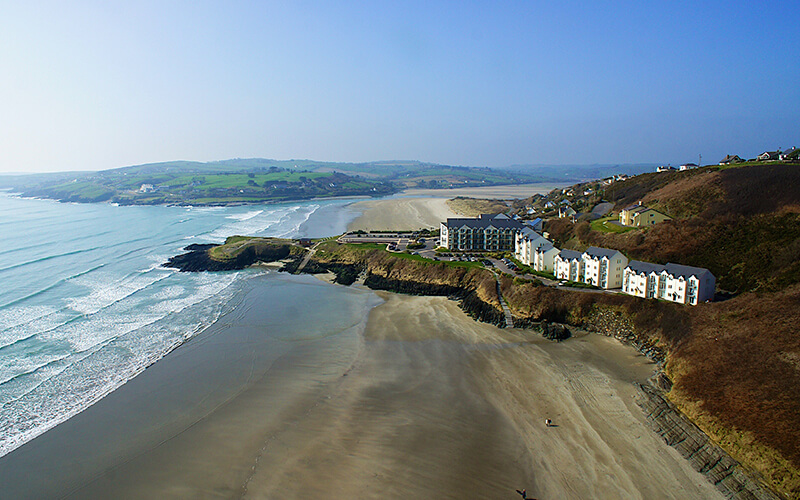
[98,320]
[107,289]
[245,216]
[63,390]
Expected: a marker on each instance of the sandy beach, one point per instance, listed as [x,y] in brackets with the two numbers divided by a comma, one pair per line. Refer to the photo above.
[425,403]
[401,213]
[313,390]
[426,208]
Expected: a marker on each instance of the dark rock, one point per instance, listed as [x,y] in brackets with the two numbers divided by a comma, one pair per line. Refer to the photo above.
[554,331]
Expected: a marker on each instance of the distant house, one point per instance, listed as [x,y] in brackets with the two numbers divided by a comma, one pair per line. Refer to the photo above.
[769,156]
[621,177]
[673,282]
[566,211]
[687,166]
[550,204]
[492,232]
[608,182]
[588,191]
[536,224]
[730,159]
[664,168]
[639,215]
[147,188]
[789,154]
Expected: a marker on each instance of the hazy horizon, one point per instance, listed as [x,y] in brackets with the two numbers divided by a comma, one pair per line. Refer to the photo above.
[91,86]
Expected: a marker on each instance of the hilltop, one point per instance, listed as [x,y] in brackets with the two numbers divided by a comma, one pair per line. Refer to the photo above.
[252,181]
[740,222]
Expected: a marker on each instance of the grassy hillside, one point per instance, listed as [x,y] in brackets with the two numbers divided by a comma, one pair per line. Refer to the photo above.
[252,180]
[735,364]
[742,223]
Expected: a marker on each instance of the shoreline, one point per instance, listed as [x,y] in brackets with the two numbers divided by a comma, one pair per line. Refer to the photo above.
[421,401]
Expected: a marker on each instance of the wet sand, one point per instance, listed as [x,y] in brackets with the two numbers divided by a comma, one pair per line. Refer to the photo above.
[426,403]
[438,406]
[516,191]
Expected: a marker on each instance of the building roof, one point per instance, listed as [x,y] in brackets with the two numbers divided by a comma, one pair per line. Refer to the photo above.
[731,159]
[569,254]
[640,267]
[535,222]
[645,209]
[545,247]
[676,270]
[528,233]
[633,207]
[599,253]
[484,221]
[686,271]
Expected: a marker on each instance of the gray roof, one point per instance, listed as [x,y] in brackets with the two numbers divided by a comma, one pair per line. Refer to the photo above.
[634,207]
[644,267]
[484,221]
[569,254]
[545,247]
[601,252]
[686,271]
[676,270]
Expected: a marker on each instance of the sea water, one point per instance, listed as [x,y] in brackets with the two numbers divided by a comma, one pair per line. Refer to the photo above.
[85,303]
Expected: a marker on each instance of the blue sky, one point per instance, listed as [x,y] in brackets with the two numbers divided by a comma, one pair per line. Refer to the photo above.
[94,85]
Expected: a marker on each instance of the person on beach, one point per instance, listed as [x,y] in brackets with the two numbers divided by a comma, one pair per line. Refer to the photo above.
[548,422]
[524,494]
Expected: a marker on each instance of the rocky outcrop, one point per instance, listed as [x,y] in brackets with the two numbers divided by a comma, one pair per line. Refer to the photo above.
[198,259]
[706,457]
[554,331]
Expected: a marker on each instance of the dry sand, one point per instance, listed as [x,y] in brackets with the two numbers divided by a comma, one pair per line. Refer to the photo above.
[426,208]
[401,213]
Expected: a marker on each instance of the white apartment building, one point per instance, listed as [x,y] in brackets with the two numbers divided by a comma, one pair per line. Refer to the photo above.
[673,282]
[525,242]
[544,257]
[568,265]
[603,267]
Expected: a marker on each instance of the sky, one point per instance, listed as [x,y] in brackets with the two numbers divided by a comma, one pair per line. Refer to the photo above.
[96,85]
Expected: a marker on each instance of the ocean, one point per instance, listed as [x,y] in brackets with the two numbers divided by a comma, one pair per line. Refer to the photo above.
[85,304]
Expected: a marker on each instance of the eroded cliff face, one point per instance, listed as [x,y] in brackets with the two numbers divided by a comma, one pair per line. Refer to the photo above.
[474,287]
